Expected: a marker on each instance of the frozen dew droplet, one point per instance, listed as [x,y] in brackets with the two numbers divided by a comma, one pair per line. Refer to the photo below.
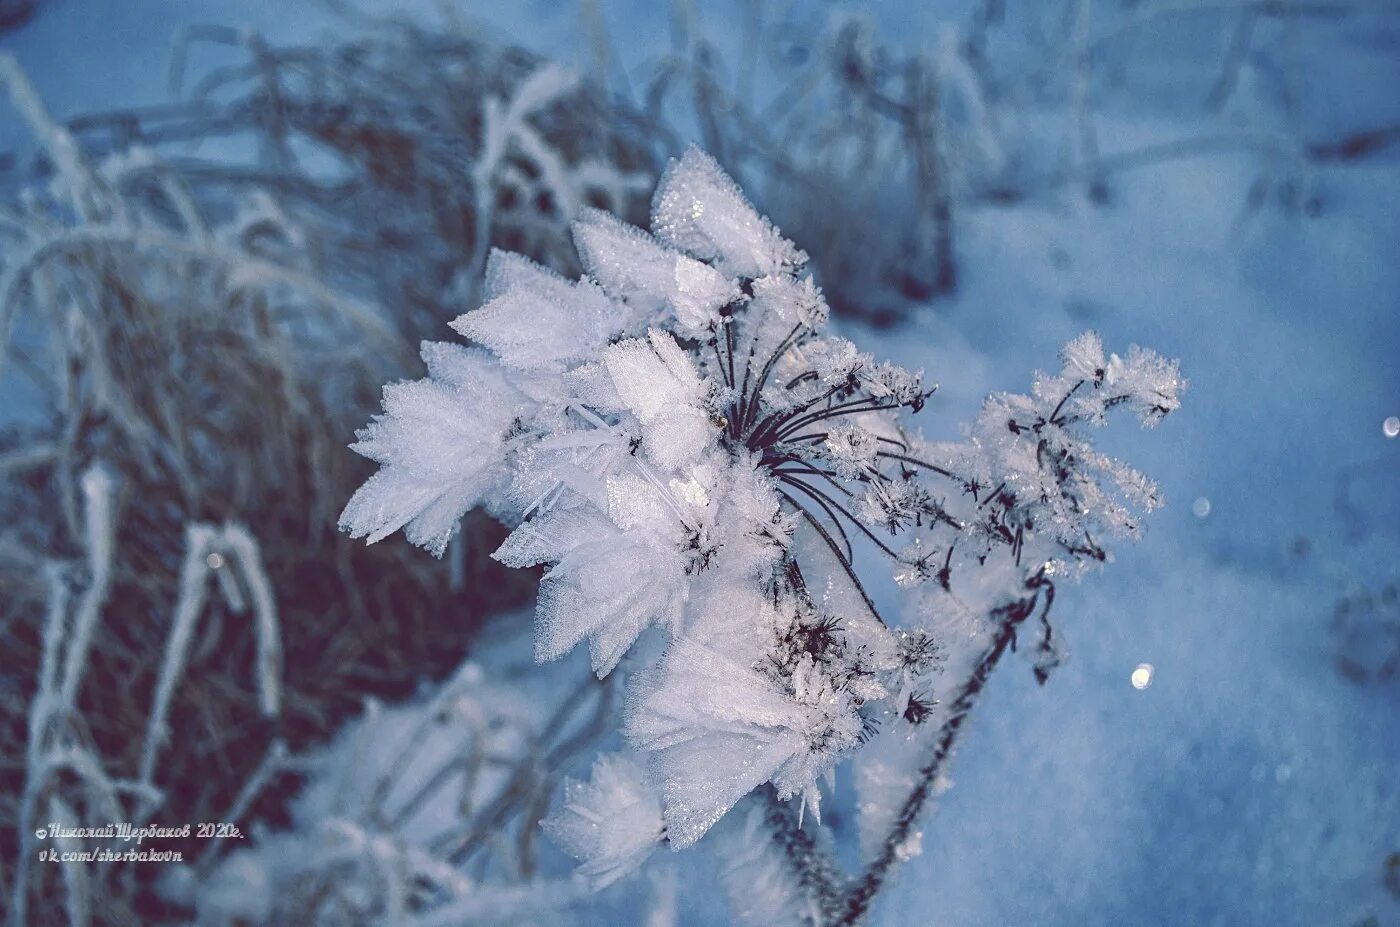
[1142,676]
[1391,427]
[1201,507]
[910,847]
[215,561]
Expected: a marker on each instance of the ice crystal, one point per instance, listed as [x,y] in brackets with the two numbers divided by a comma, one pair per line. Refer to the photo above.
[611,822]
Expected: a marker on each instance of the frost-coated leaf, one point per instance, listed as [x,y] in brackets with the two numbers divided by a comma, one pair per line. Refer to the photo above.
[700,210]
[611,823]
[715,730]
[658,383]
[652,278]
[535,318]
[604,583]
[438,444]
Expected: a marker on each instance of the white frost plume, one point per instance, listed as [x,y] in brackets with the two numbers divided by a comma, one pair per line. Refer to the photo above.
[649,277]
[611,823]
[658,383]
[700,469]
[438,445]
[535,318]
[700,210]
[604,583]
[715,730]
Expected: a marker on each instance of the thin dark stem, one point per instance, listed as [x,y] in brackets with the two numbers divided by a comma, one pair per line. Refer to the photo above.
[719,359]
[826,475]
[810,856]
[749,402]
[798,471]
[773,359]
[729,347]
[862,893]
[853,520]
[899,444]
[1056,414]
[993,494]
[742,406]
[1108,403]
[923,464]
[845,564]
[810,436]
[836,522]
[762,433]
[855,407]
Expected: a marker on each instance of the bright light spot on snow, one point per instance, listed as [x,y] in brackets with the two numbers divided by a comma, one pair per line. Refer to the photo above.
[1201,507]
[1391,427]
[1142,676]
[215,561]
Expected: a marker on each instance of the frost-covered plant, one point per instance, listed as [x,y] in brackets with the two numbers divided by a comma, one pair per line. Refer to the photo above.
[692,458]
[66,776]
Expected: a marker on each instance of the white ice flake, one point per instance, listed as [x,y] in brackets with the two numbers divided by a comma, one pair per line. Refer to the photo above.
[604,582]
[535,318]
[611,823]
[650,277]
[1084,358]
[715,729]
[700,210]
[658,383]
[438,444]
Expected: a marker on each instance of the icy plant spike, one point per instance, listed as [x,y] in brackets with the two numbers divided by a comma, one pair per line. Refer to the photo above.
[682,447]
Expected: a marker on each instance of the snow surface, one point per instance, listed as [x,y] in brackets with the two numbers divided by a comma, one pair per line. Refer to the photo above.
[1252,782]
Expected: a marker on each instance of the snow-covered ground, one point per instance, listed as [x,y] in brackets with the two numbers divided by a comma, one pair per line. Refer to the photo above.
[1253,782]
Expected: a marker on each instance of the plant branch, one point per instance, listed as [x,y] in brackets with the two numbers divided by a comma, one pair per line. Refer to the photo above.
[863,891]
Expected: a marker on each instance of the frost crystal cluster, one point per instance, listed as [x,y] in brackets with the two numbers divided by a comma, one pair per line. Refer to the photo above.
[677,442]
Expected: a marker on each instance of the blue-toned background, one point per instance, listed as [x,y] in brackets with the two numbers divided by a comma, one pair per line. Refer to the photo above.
[1257,779]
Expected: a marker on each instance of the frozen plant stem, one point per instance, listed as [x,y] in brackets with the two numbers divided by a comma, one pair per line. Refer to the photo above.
[813,868]
[863,891]
[845,905]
